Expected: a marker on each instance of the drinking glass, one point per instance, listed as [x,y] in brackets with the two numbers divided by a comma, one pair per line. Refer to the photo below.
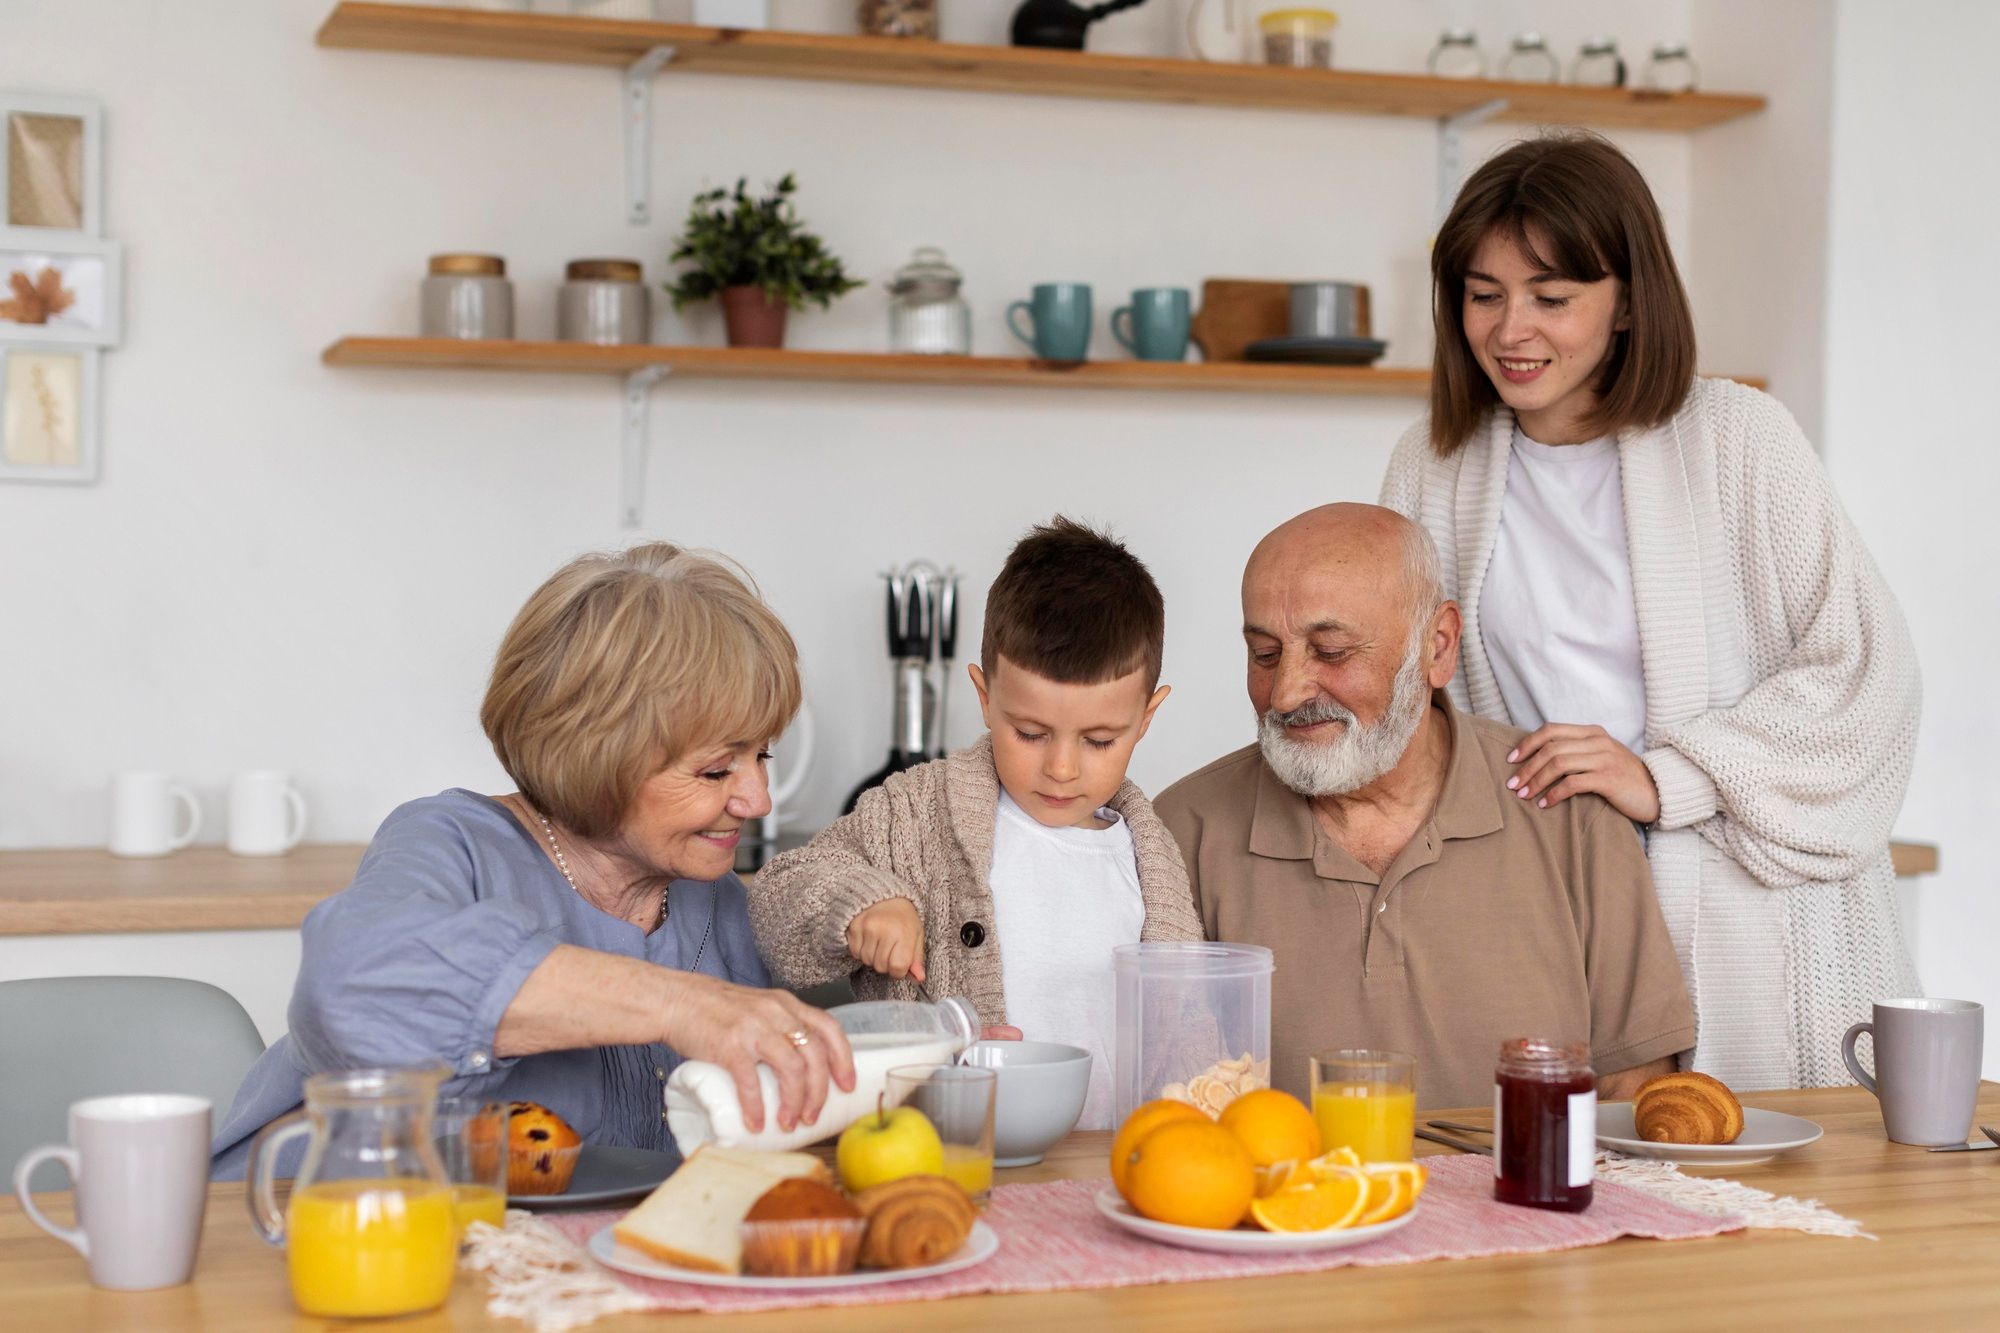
[471,1139]
[958,1101]
[1367,1101]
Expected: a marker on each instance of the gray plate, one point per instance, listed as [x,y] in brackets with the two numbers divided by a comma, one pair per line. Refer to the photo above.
[605,1175]
[1317,351]
[1765,1135]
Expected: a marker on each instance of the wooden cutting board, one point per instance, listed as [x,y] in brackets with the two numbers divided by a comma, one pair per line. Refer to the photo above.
[1236,312]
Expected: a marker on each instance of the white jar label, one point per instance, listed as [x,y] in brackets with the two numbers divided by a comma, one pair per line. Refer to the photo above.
[1582,1137]
[1498,1138]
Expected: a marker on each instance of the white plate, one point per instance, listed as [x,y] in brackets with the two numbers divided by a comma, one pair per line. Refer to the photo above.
[978,1248]
[1242,1241]
[1765,1135]
[605,1175]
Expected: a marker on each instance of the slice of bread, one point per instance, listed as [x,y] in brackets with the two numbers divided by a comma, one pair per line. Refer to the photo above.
[694,1218]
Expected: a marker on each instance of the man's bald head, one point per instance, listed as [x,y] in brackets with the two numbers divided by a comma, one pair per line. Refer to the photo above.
[1366,537]
[1348,631]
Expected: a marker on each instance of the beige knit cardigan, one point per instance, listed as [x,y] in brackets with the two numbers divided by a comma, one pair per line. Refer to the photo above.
[927,835]
[1781,714]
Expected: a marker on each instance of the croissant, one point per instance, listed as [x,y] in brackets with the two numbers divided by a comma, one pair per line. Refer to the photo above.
[1687,1108]
[913,1221]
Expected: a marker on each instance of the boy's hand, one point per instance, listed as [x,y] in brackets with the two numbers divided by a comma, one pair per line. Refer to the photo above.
[889,937]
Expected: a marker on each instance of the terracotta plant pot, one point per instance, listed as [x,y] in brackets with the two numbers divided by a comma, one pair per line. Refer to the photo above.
[752,318]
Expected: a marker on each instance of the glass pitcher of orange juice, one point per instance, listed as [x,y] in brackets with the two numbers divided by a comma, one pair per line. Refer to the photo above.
[369,1229]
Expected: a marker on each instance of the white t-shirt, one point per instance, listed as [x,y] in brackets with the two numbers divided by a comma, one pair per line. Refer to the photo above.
[1062,897]
[1557,614]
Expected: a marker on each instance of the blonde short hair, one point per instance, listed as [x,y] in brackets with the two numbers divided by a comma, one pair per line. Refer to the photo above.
[621,664]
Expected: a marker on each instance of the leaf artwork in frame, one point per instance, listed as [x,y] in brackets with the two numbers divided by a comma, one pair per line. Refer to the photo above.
[48,413]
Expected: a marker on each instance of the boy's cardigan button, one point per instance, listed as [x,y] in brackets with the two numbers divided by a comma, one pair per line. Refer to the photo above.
[972,934]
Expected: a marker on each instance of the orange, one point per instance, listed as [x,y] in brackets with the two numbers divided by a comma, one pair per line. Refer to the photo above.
[1320,1206]
[1282,1176]
[1393,1188]
[1342,1156]
[1191,1173]
[1272,1126]
[1137,1126]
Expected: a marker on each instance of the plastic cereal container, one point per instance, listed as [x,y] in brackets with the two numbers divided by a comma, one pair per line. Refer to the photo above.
[1193,1022]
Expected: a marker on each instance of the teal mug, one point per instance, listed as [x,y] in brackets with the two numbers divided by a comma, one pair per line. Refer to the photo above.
[1155,326]
[1059,321]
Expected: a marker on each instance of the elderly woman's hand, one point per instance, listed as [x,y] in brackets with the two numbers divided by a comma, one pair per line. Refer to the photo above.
[739,1028]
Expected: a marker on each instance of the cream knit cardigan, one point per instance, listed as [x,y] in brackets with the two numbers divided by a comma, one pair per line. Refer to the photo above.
[927,835]
[1781,714]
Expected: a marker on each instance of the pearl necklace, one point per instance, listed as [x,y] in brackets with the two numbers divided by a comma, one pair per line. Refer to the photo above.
[562,864]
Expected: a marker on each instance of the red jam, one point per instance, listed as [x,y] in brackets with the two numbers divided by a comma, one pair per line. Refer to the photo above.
[1544,1125]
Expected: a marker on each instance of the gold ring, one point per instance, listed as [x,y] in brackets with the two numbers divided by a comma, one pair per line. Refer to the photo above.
[799,1037]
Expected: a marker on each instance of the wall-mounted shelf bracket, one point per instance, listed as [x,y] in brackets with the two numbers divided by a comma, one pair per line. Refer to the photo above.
[638,110]
[1451,149]
[632,459]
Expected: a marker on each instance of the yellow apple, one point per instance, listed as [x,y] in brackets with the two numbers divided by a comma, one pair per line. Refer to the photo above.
[887,1145]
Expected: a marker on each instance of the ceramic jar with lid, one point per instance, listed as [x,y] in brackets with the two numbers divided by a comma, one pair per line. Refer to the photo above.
[467,296]
[926,312]
[603,301]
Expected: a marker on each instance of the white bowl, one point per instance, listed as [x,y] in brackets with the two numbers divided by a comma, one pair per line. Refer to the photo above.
[1038,1095]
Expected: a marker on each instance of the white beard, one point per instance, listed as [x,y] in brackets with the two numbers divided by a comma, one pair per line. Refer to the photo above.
[1361,754]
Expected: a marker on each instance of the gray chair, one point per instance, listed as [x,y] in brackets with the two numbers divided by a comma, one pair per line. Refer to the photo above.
[66,1038]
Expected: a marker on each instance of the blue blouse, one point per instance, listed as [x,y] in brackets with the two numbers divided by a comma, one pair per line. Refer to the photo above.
[413,963]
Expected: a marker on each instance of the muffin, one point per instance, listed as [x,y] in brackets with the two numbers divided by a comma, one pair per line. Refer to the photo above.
[801,1228]
[541,1149]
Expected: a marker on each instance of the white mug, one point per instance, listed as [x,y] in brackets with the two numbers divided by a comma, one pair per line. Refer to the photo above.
[143,809]
[139,1163]
[267,816]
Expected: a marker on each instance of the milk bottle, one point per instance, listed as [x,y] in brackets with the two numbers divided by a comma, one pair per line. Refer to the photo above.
[702,1105]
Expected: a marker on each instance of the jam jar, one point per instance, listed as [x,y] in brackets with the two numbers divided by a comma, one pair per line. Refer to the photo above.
[1544,1125]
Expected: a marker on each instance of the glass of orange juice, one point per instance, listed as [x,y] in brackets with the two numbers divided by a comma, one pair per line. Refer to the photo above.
[471,1139]
[958,1101]
[1367,1101]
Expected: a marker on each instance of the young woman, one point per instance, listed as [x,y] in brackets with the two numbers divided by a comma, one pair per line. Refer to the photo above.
[1659,585]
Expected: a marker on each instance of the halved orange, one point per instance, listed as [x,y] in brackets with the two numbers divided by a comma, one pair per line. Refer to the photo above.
[1321,1206]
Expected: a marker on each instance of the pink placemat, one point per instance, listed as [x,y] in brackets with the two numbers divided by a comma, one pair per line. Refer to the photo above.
[1053,1238]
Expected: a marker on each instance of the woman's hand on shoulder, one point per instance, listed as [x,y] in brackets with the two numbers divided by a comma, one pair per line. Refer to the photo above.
[740,1027]
[1558,760]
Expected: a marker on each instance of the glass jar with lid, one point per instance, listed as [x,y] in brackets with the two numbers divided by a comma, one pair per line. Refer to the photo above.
[1530,61]
[899,18]
[1457,55]
[1598,65]
[1298,38]
[466,296]
[1671,70]
[926,313]
[603,301]
[1544,1125]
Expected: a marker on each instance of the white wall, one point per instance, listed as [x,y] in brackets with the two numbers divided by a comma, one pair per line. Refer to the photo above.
[1910,435]
[294,566]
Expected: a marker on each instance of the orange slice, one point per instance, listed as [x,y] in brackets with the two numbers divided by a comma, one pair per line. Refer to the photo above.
[1320,1206]
[1339,1157]
[1282,1176]
[1393,1188]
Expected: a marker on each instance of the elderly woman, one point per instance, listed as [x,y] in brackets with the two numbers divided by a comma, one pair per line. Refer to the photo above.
[570,943]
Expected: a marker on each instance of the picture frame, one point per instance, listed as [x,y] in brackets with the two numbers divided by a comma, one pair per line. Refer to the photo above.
[52,164]
[66,289]
[48,412]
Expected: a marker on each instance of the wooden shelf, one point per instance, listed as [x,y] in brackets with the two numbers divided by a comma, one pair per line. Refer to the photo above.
[494,34]
[756,363]
[91,892]
[1914,858]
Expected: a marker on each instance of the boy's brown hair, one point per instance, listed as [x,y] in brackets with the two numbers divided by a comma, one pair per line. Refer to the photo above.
[1578,207]
[1073,605]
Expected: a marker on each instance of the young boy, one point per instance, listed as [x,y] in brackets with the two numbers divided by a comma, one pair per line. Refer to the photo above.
[1007,871]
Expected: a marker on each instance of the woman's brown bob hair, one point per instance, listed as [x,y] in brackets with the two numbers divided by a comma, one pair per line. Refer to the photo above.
[1578,208]
[621,664]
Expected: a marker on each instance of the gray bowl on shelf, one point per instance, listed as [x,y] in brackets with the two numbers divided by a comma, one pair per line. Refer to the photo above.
[1037,1097]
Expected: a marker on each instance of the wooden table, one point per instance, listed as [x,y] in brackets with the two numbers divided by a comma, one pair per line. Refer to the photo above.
[1935,1266]
[90,891]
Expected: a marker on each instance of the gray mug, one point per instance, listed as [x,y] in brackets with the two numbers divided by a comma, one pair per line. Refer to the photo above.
[139,1162]
[1926,1067]
[1329,310]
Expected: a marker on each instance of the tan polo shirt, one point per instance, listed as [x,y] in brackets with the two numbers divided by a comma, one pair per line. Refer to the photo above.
[1498,920]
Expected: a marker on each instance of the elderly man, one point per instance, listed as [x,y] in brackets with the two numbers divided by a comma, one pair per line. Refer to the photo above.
[1368,838]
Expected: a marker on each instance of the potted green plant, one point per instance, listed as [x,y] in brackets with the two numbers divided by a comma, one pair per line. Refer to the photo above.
[759,258]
